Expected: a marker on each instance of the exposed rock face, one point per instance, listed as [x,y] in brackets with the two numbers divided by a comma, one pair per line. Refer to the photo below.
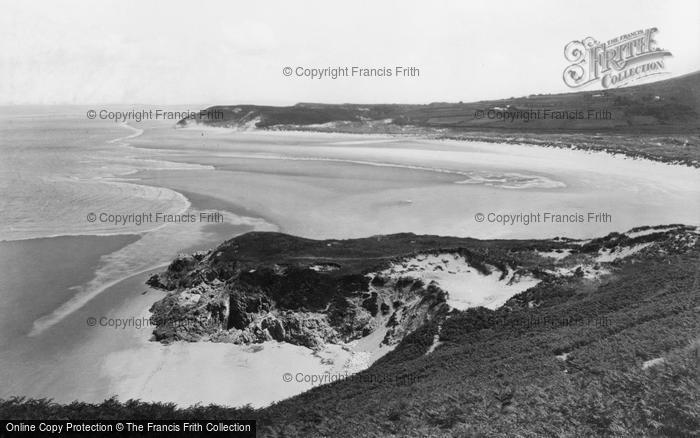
[269,286]
[298,305]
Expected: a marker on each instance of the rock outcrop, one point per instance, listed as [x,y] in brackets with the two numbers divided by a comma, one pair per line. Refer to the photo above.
[268,286]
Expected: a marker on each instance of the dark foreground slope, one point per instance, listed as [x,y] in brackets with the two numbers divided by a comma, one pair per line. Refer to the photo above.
[659,121]
[614,354]
[580,362]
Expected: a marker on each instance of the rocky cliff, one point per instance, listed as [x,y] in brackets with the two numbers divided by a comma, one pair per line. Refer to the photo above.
[269,286]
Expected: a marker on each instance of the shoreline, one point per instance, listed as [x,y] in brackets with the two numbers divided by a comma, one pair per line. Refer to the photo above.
[44,260]
[142,368]
[557,140]
[198,235]
[69,337]
[273,178]
[130,375]
[522,140]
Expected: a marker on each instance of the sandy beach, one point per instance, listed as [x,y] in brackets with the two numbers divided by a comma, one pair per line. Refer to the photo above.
[361,186]
[313,185]
[49,349]
[340,185]
[110,353]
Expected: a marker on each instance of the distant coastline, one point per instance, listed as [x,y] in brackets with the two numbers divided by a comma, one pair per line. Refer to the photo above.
[661,149]
[658,121]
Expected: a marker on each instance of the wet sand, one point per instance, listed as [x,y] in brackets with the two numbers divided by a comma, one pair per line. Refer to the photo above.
[338,185]
[37,276]
[43,278]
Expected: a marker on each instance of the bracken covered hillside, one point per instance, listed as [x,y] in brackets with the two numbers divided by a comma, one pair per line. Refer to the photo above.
[669,106]
[658,121]
[605,344]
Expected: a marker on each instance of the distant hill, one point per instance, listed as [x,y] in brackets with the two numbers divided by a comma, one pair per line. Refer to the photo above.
[670,106]
[657,121]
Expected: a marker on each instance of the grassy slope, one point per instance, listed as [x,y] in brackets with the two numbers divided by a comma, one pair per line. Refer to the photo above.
[668,106]
[500,376]
[496,374]
[356,255]
[659,121]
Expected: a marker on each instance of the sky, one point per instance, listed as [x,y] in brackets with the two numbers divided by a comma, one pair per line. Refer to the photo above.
[233,52]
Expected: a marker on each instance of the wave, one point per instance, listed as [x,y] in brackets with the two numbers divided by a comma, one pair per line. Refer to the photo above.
[153,250]
[136,133]
[511,180]
[156,246]
[55,203]
[53,215]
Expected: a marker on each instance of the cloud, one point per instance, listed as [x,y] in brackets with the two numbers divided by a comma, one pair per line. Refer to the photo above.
[161,52]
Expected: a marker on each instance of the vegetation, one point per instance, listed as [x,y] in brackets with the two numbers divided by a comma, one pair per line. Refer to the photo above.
[576,364]
[659,121]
